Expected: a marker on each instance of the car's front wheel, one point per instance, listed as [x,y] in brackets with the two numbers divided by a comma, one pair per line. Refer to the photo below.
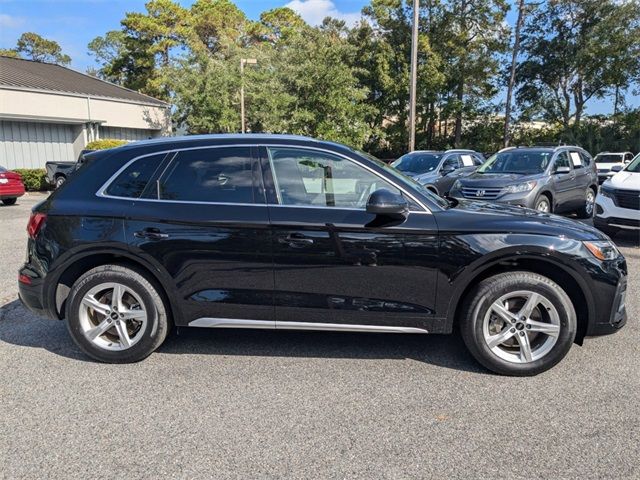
[518,323]
[60,179]
[116,315]
[543,204]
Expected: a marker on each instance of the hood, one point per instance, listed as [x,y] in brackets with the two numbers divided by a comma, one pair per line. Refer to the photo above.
[426,177]
[608,166]
[496,180]
[625,180]
[496,217]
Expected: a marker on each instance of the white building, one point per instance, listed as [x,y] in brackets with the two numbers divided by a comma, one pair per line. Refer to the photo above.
[49,113]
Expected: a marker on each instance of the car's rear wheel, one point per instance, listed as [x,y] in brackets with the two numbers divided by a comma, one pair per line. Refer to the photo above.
[589,204]
[543,204]
[116,315]
[60,181]
[9,201]
[518,323]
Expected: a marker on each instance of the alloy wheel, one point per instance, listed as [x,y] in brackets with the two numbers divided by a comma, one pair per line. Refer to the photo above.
[543,206]
[590,201]
[521,327]
[112,316]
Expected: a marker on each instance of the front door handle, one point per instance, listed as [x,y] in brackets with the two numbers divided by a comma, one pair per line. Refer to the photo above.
[296,240]
[151,234]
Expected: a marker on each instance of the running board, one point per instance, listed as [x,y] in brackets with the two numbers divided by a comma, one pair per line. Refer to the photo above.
[270,325]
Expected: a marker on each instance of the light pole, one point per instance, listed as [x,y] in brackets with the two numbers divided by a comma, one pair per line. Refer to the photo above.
[414,77]
[243,62]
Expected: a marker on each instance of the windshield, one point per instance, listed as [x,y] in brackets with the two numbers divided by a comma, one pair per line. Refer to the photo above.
[417,162]
[410,182]
[2,169]
[608,158]
[634,166]
[517,161]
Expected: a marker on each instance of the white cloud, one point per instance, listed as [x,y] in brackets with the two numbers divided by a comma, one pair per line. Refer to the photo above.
[7,21]
[314,11]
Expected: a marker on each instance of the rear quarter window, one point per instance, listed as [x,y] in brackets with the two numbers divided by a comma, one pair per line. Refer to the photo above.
[132,181]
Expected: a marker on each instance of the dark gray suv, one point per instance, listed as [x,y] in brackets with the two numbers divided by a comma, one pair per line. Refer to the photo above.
[438,171]
[560,179]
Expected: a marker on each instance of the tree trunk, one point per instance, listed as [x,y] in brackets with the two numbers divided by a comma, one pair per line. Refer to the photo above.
[512,76]
[458,127]
[616,103]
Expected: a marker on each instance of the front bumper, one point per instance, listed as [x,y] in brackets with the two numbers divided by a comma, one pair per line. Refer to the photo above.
[608,214]
[618,314]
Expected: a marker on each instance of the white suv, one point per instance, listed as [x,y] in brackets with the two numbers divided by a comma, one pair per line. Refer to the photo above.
[609,163]
[618,204]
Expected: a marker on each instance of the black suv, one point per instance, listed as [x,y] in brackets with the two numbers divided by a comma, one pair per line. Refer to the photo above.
[285,232]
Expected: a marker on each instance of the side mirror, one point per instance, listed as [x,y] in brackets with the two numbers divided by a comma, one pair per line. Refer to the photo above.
[616,168]
[562,170]
[385,203]
[447,170]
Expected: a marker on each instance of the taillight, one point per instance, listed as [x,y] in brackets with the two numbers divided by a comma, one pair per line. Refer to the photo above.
[36,220]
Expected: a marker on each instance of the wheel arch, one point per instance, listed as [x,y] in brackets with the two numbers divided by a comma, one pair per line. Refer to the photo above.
[571,282]
[60,285]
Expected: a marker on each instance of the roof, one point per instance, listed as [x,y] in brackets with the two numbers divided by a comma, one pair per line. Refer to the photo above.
[40,76]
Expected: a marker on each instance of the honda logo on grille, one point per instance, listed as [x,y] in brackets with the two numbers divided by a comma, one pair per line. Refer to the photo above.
[480,193]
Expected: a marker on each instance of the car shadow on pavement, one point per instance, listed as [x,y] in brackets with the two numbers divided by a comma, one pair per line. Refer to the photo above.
[20,327]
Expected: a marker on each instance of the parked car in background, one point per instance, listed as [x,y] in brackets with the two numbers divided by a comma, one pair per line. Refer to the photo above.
[618,204]
[287,232]
[547,179]
[610,163]
[11,186]
[59,172]
[438,170]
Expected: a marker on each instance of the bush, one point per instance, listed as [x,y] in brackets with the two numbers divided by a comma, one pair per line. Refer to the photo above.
[34,179]
[104,144]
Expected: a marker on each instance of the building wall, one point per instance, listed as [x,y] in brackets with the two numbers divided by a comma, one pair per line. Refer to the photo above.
[129,134]
[31,144]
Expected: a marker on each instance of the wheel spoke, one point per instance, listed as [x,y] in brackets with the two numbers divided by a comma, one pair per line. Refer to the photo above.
[502,312]
[134,314]
[495,340]
[121,328]
[92,302]
[102,327]
[525,348]
[542,327]
[531,303]
[116,297]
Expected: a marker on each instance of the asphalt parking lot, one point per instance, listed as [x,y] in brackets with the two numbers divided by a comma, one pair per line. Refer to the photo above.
[245,404]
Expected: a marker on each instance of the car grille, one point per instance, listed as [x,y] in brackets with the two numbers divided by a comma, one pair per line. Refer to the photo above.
[627,199]
[481,193]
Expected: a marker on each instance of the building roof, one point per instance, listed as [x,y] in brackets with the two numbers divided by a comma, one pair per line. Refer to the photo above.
[40,76]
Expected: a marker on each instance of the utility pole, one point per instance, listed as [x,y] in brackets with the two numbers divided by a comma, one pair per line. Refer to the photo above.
[243,62]
[414,77]
[512,76]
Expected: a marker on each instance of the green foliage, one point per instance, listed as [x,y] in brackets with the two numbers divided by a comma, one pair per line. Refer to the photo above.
[9,52]
[34,47]
[104,144]
[34,179]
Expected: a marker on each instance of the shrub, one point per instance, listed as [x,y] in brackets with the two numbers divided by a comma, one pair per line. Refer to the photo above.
[104,144]
[34,179]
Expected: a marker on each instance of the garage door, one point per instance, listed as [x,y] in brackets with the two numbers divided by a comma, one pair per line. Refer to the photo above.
[31,144]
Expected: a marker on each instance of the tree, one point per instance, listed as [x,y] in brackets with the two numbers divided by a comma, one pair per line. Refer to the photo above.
[575,52]
[9,52]
[108,50]
[512,72]
[34,47]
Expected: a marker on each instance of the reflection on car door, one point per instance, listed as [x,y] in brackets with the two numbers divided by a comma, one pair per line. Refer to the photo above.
[334,263]
[205,221]
[445,182]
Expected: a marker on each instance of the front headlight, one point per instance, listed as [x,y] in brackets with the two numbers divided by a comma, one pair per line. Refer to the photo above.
[602,249]
[521,187]
[606,191]
[456,185]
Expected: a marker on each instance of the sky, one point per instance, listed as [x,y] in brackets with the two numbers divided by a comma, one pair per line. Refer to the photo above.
[74,23]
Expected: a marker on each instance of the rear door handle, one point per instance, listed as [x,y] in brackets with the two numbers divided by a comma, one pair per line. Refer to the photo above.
[151,234]
[296,240]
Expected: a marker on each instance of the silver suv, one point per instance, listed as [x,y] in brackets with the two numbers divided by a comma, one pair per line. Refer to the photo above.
[560,179]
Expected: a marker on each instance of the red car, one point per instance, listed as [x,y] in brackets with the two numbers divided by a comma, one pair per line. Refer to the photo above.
[11,186]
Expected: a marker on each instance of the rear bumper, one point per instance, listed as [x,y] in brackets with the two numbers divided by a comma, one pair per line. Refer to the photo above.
[10,191]
[32,297]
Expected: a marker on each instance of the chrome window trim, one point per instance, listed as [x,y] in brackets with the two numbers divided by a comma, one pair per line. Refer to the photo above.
[209,322]
[102,190]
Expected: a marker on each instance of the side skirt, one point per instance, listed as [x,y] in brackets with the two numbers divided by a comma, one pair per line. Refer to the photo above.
[271,325]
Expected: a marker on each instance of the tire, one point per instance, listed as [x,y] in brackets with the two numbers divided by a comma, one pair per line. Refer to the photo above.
[480,325]
[543,204]
[59,181]
[589,204]
[9,201]
[142,312]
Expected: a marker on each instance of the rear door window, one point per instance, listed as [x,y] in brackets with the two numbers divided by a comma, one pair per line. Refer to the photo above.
[576,159]
[212,175]
[132,181]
